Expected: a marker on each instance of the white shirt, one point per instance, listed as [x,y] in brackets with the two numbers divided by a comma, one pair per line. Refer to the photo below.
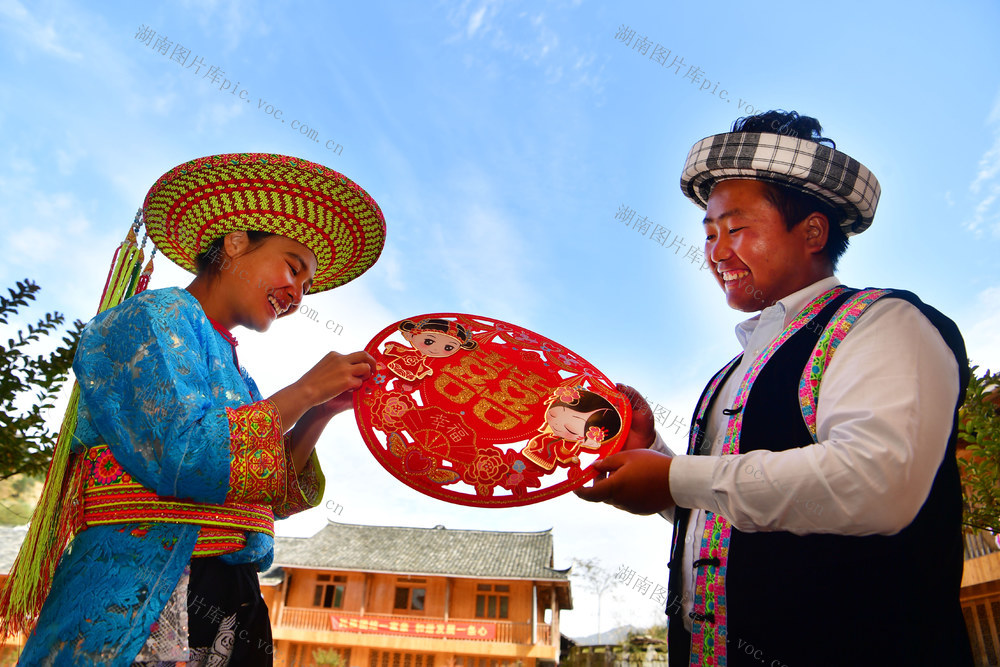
[883,418]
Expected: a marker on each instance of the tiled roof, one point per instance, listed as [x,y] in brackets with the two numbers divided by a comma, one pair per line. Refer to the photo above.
[273,577]
[474,553]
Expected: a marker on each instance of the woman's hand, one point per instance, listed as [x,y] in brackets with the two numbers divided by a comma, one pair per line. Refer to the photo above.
[336,374]
[336,405]
[325,389]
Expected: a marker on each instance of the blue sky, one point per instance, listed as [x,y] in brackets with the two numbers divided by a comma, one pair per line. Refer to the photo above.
[501,139]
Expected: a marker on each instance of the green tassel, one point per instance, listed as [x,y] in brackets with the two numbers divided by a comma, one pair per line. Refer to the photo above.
[58,515]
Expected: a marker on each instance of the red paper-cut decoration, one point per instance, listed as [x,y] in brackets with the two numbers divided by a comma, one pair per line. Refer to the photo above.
[480,412]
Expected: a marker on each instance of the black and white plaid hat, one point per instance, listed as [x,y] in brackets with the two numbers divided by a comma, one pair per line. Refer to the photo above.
[819,170]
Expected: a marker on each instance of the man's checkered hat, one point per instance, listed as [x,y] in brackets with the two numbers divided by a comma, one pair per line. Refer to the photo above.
[819,170]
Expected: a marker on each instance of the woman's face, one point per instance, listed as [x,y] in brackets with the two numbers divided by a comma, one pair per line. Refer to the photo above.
[267,280]
[434,343]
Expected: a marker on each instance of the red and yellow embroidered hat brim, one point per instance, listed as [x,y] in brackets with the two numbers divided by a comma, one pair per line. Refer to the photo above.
[199,201]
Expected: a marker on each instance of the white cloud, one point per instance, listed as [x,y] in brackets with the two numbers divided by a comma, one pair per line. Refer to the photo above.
[228,22]
[982,339]
[989,165]
[391,269]
[24,28]
[216,116]
[39,226]
[521,35]
[987,182]
[984,214]
[484,257]
[68,156]
[475,20]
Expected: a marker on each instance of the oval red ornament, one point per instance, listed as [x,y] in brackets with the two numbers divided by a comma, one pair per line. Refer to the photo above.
[480,412]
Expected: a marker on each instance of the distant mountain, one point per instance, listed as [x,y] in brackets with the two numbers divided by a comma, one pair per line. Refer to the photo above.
[612,636]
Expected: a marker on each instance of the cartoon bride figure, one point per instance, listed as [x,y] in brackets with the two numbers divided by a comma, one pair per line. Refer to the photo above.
[575,419]
[429,338]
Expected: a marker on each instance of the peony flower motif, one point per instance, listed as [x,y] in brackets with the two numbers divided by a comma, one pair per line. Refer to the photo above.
[597,433]
[395,407]
[387,408]
[487,470]
[566,394]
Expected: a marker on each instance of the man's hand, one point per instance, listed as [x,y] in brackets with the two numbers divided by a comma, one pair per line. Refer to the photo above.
[637,481]
[642,433]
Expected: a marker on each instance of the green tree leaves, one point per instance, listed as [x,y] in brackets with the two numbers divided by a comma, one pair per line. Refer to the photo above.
[29,385]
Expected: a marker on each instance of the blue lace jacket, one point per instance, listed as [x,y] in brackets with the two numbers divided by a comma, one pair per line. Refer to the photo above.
[156,380]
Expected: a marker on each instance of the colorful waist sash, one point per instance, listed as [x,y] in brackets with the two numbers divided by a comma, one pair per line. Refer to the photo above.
[111,496]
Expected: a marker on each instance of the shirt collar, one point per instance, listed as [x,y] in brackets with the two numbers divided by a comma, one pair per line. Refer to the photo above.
[784,309]
[228,336]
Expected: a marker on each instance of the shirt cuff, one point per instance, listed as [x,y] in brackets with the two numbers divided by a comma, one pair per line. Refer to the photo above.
[691,482]
[660,446]
[258,465]
[305,489]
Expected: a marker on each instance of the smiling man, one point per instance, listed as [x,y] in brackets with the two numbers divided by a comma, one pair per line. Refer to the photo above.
[810,527]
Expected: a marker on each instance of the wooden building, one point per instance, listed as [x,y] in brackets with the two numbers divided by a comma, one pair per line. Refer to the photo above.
[981,596]
[981,581]
[416,597]
[402,597]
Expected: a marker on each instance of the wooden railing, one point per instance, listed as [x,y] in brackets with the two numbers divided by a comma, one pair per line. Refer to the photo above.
[982,621]
[311,618]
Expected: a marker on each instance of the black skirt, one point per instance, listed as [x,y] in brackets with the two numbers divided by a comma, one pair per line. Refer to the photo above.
[227,618]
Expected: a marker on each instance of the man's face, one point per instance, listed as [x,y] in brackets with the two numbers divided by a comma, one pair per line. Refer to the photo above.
[756,259]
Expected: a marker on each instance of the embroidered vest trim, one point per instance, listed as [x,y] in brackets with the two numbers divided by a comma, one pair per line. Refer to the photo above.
[709,627]
[836,330]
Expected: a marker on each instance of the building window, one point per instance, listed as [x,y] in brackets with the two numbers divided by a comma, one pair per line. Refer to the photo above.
[391,659]
[329,591]
[492,600]
[410,597]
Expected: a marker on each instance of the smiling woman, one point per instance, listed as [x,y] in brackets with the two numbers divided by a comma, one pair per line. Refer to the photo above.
[180,465]
[277,269]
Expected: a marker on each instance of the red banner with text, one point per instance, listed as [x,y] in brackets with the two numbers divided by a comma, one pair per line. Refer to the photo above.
[442,630]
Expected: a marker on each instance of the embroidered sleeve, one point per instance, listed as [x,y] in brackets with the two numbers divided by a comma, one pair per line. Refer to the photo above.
[262,468]
[146,381]
[259,460]
[305,489]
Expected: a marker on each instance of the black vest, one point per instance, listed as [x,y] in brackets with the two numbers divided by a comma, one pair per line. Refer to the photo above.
[837,600]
